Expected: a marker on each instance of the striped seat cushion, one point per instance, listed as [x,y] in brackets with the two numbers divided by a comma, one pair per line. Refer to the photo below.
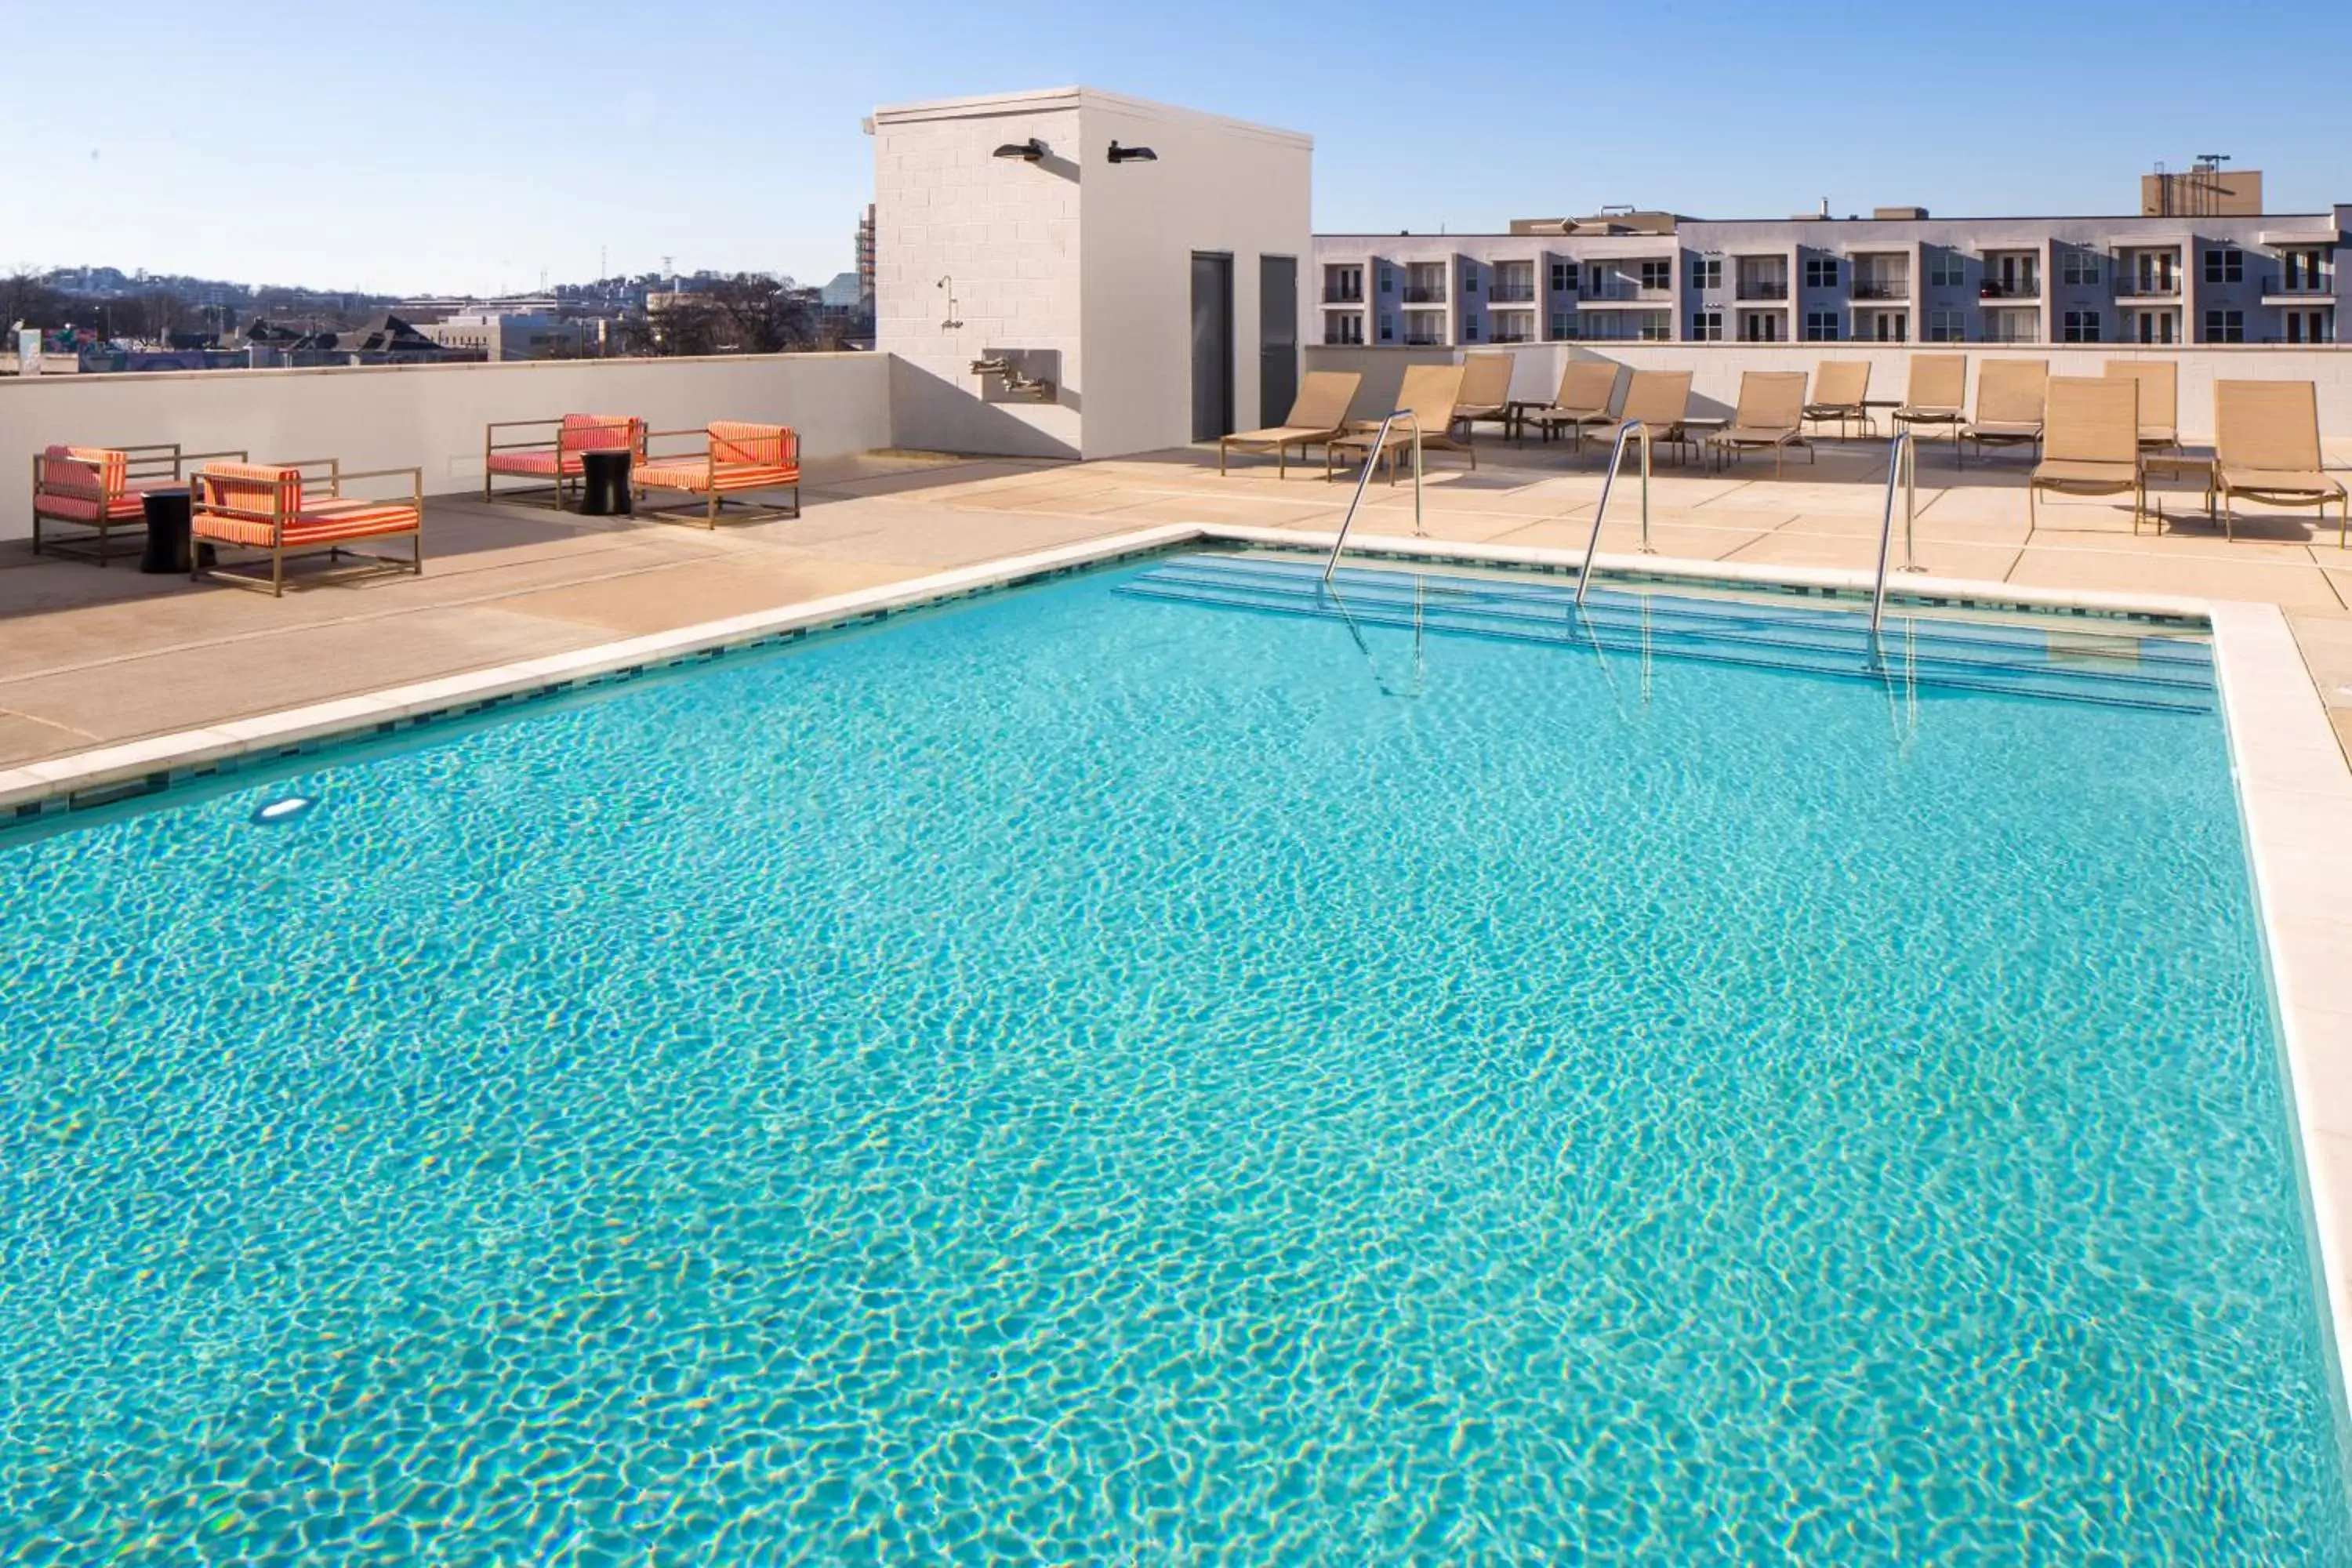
[692,474]
[323,523]
[255,496]
[83,483]
[599,433]
[541,465]
[734,444]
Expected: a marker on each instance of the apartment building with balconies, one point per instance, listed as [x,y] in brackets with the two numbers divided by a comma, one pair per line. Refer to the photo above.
[1897,276]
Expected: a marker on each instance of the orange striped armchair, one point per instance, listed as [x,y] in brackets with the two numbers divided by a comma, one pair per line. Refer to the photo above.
[301,508]
[725,459]
[551,455]
[97,492]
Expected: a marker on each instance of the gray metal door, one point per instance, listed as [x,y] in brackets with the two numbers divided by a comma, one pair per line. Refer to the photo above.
[1277,337]
[1212,346]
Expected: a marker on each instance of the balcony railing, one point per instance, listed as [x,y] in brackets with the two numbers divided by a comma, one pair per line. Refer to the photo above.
[1423,340]
[1763,289]
[1335,294]
[1424,293]
[1882,288]
[1629,291]
[2022,288]
[2148,288]
[1335,339]
[1512,294]
[2313,287]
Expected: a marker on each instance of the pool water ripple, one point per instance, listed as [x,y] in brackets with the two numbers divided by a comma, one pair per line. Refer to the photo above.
[1077,1077]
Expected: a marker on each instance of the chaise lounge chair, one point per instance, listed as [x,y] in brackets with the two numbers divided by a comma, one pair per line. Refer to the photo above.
[1317,414]
[289,512]
[1659,400]
[1770,417]
[1485,394]
[734,458]
[99,491]
[2091,443]
[2159,398]
[552,456]
[1840,388]
[1432,393]
[2266,448]
[1937,395]
[2010,396]
[1586,388]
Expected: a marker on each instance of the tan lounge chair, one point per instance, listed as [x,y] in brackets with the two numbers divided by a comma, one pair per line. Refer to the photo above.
[1659,400]
[1936,396]
[1485,393]
[1431,392]
[1769,417]
[2010,394]
[2266,448]
[2091,442]
[1586,389]
[1840,389]
[2159,398]
[1317,414]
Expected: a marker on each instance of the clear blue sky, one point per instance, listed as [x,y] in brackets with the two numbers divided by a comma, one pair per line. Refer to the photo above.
[438,145]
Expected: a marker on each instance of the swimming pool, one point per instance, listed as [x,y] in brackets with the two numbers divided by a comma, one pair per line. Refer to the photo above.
[1149,1065]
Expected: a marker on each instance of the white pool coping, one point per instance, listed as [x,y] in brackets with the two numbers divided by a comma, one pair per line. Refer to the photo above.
[2295,789]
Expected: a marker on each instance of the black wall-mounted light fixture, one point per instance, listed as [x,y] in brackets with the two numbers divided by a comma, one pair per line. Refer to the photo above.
[1030,152]
[1119,155]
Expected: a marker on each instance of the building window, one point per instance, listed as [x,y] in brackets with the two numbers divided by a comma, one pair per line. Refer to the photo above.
[1563,325]
[2309,326]
[1388,330]
[2080,327]
[1563,277]
[2225,326]
[2225,264]
[1822,272]
[1657,274]
[1343,327]
[1946,327]
[1343,284]
[1594,275]
[1388,283]
[1470,280]
[1469,329]
[1707,326]
[1706,272]
[1820,326]
[1944,272]
[2079,267]
[1759,326]
[1657,327]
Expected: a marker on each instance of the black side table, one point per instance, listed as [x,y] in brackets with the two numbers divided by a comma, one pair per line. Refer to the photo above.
[605,484]
[167,531]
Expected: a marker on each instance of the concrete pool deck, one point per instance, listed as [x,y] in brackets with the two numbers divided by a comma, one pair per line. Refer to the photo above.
[92,657]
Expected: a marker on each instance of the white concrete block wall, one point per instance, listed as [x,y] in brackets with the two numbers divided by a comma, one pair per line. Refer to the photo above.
[1072,254]
[430,415]
[1716,370]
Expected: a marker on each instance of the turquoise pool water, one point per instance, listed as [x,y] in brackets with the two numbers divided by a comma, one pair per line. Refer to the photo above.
[1103,1074]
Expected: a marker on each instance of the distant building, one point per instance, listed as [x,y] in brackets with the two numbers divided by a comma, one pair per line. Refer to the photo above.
[845,292]
[385,339]
[502,335]
[2204,190]
[1897,276]
[865,257]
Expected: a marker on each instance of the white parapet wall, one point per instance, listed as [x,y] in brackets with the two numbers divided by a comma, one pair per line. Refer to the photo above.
[1716,370]
[432,416]
[1072,260]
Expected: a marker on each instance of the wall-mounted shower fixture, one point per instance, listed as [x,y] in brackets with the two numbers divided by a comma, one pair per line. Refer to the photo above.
[951,323]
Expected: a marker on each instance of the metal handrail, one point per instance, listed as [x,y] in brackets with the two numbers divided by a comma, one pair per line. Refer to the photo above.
[1625,432]
[1371,458]
[1903,467]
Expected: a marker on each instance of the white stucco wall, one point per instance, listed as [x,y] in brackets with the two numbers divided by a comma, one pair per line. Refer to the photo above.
[431,416]
[1072,254]
[1716,370]
[1218,186]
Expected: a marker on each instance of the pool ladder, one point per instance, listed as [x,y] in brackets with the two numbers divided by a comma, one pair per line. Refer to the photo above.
[1631,430]
[1371,458]
[1902,470]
